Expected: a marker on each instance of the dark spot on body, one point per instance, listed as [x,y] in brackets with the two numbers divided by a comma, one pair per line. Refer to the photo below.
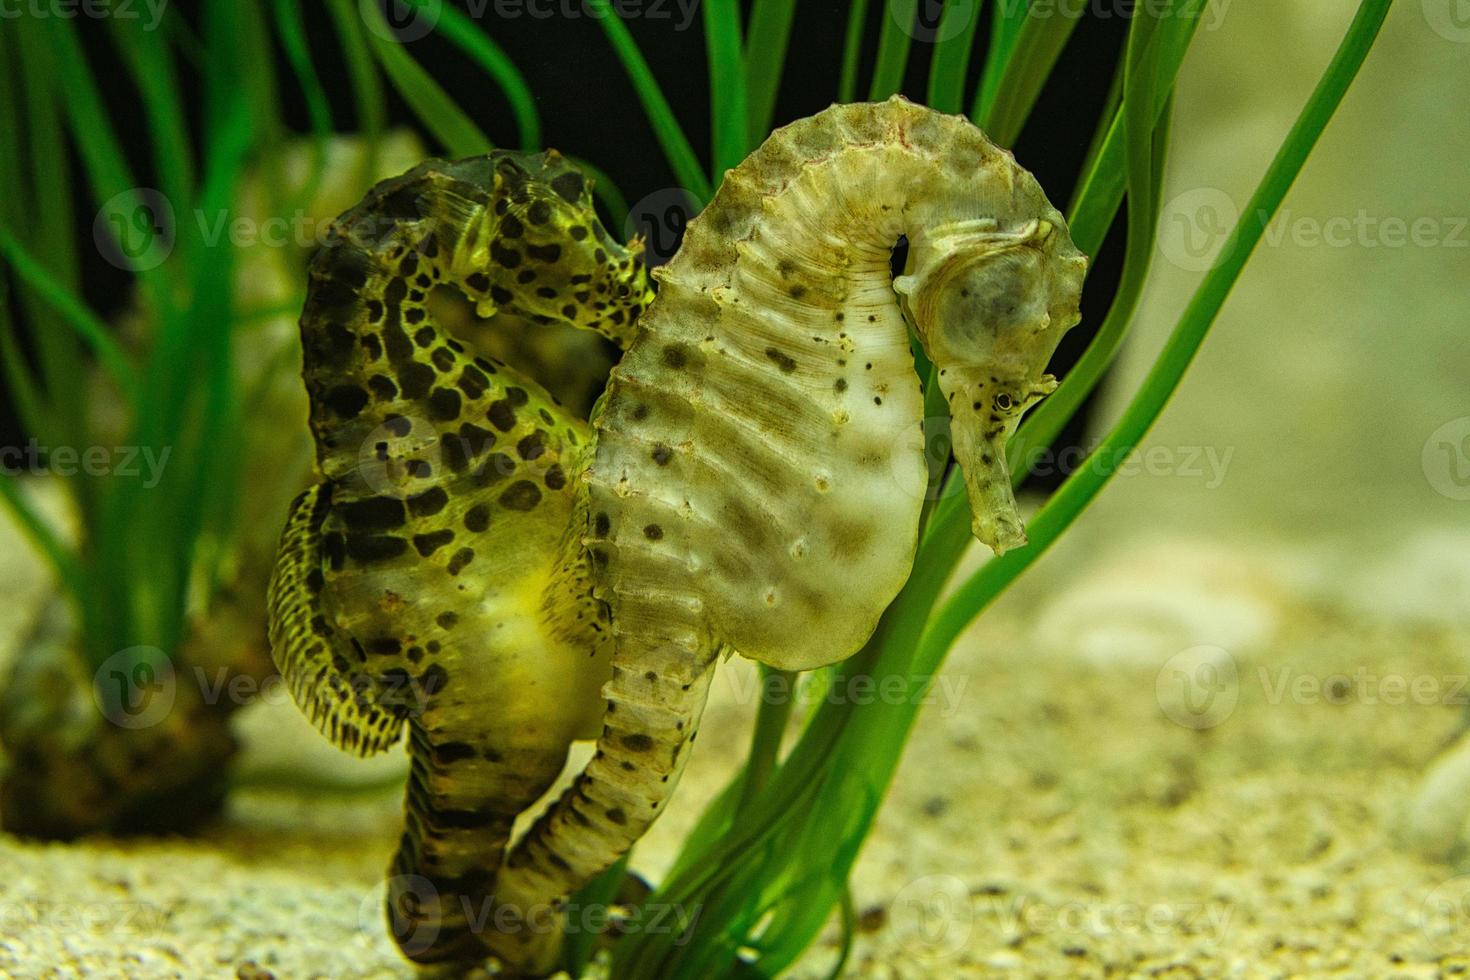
[531,447]
[368,548]
[477,518]
[569,186]
[501,255]
[496,468]
[521,495]
[450,752]
[444,404]
[373,514]
[428,503]
[461,558]
[415,379]
[784,361]
[434,679]
[501,415]
[472,381]
[427,544]
[346,401]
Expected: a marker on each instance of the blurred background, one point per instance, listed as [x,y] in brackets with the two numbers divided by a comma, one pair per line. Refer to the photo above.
[1216,731]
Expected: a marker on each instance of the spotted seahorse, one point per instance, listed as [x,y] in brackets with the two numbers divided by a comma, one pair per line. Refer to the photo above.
[758,468]
[422,581]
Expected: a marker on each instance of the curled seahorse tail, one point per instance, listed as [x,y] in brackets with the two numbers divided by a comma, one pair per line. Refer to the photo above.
[663,665]
[460,806]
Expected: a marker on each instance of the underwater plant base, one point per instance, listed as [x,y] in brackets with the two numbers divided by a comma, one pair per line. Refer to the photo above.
[70,771]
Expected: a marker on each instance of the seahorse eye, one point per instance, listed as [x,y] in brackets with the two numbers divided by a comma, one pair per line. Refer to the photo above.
[1003,402]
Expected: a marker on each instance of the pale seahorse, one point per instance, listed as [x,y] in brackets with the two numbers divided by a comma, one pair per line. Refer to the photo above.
[422,580]
[758,469]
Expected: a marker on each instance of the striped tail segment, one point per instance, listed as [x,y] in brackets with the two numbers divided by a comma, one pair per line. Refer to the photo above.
[443,876]
[663,664]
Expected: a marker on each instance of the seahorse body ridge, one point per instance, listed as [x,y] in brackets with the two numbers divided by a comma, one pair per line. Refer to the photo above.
[758,469]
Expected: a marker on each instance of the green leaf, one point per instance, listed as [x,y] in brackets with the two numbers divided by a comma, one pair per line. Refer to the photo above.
[1002,110]
[464,34]
[367,88]
[728,114]
[73,312]
[765,54]
[852,44]
[952,55]
[893,52]
[449,124]
[666,128]
[292,33]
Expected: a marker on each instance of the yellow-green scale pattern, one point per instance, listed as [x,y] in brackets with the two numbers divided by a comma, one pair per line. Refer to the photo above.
[423,582]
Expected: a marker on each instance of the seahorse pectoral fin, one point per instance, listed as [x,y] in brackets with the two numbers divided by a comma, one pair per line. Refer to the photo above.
[310,652]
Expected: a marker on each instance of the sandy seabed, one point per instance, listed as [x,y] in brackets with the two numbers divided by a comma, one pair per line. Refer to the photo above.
[1095,791]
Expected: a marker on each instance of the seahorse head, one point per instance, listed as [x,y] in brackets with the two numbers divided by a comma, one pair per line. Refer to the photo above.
[547,255]
[990,305]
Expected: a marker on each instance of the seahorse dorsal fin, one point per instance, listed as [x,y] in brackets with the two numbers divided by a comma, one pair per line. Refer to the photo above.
[312,655]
